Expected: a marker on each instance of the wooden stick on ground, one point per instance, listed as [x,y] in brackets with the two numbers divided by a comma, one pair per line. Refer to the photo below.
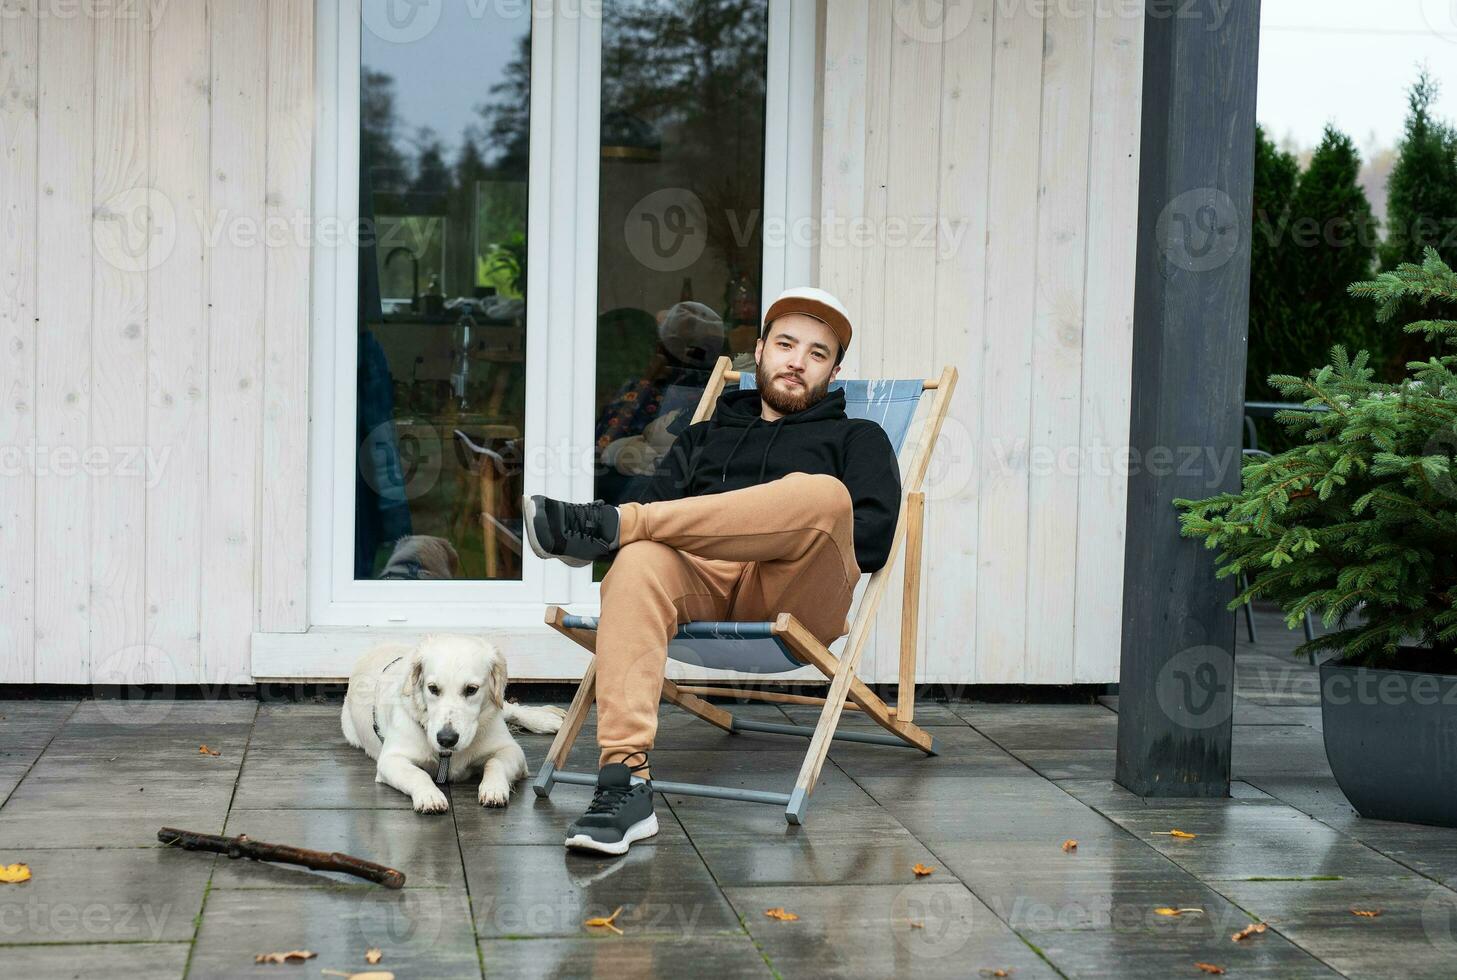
[242,846]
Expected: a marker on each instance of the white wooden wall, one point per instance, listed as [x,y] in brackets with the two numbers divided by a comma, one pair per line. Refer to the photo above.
[139,318]
[137,315]
[1021,130]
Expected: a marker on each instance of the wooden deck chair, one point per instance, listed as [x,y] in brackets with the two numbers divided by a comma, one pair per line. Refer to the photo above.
[785,644]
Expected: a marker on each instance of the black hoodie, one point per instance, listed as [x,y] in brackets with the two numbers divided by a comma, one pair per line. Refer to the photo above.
[736,448]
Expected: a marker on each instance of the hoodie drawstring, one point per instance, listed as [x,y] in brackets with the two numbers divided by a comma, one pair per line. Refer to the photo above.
[723,477]
[764,463]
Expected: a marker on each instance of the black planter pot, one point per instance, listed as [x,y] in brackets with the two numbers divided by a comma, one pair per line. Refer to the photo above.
[1391,738]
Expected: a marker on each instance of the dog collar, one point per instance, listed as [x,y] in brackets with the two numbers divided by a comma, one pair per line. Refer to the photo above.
[407,569]
[374,711]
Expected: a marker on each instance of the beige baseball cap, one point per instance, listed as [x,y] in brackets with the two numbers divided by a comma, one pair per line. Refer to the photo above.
[813,302]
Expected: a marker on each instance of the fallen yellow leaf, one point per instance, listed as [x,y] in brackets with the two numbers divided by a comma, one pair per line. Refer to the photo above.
[996,972]
[607,922]
[921,870]
[780,914]
[207,751]
[373,955]
[1182,835]
[14,874]
[917,925]
[293,954]
[1069,845]
[1254,928]
[1169,911]
[1366,913]
[1210,967]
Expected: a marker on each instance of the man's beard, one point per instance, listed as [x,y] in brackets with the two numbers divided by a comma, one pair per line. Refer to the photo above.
[787,403]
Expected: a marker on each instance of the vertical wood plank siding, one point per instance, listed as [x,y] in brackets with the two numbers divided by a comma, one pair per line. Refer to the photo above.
[1011,130]
[177,342]
[19,85]
[121,169]
[65,263]
[153,339]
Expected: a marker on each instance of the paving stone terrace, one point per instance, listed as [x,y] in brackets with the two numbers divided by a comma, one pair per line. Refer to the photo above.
[85,786]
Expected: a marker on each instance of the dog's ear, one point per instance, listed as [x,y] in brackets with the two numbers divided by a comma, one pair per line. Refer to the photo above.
[413,691]
[496,677]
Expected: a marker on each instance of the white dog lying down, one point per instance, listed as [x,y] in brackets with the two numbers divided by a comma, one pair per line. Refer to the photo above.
[410,706]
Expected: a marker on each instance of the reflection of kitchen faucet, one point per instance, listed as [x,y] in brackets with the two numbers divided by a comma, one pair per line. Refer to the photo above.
[414,273]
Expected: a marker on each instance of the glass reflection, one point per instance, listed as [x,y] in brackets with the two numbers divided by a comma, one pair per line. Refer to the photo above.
[444,128]
[680,236]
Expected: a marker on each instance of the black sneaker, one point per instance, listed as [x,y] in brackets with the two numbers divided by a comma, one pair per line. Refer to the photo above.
[578,534]
[621,812]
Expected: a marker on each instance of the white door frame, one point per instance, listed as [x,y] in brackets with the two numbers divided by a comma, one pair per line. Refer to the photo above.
[562,243]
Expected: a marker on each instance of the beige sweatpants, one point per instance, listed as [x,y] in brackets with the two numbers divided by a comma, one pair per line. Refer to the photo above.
[786,546]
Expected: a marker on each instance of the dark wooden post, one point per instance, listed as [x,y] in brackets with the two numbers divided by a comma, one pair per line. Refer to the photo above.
[1190,325]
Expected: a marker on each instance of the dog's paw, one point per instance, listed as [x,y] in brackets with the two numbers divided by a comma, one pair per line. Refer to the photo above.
[494,793]
[430,801]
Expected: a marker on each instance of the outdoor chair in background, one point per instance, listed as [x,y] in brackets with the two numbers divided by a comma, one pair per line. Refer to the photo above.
[489,490]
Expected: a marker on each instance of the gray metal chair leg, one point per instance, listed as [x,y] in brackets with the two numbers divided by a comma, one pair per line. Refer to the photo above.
[798,804]
[545,779]
[666,787]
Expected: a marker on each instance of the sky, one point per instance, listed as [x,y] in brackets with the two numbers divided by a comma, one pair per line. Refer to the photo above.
[443,74]
[1351,62]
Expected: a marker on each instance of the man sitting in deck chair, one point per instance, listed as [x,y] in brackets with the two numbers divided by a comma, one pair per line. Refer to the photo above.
[776,504]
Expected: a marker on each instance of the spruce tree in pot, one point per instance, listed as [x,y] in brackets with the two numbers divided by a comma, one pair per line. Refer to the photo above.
[1358,522]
